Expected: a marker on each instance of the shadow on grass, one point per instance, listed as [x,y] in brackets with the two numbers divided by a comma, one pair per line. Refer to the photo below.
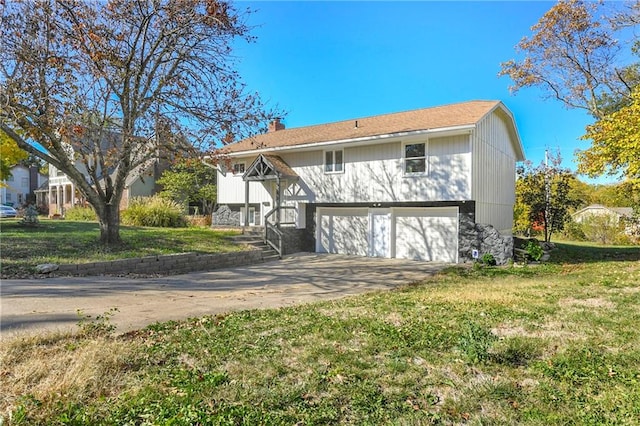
[570,252]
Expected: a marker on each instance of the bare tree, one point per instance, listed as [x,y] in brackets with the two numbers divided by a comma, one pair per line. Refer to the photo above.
[100,89]
[574,55]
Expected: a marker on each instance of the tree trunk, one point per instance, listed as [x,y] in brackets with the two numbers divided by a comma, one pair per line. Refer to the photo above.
[110,225]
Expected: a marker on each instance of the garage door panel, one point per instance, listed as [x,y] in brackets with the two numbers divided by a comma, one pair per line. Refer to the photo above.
[427,234]
[344,231]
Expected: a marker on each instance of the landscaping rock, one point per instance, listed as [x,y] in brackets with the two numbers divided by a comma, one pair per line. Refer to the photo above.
[547,246]
[225,216]
[45,268]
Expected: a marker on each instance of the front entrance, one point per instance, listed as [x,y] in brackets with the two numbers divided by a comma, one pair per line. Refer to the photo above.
[252,216]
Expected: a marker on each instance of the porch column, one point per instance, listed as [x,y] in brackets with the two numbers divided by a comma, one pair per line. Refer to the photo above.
[73,195]
[278,200]
[58,199]
[246,203]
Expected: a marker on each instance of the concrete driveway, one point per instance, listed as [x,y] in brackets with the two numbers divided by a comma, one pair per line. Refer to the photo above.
[52,303]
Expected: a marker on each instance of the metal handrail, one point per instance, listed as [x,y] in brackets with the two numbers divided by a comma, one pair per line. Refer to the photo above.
[277,247]
[274,226]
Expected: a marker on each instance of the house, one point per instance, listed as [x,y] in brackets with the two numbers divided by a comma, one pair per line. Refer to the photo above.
[411,185]
[617,213]
[141,182]
[19,188]
[63,194]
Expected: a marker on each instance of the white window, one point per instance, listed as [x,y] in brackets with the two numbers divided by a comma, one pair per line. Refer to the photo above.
[24,182]
[10,178]
[333,161]
[8,196]
[415,158]
[238,168]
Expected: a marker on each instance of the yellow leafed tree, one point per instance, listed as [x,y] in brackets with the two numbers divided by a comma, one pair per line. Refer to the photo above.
[10,155]
[615,143]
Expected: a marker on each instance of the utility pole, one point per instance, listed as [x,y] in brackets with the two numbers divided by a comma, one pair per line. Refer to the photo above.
[547,194]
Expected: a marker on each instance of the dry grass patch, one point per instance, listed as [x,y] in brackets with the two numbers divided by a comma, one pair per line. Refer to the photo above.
[590,303]
[63,367]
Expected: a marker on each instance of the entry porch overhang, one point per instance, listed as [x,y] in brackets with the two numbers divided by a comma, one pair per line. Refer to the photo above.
[269,167]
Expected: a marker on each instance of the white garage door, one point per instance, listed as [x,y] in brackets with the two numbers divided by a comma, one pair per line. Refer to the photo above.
[343,231]
[427,234]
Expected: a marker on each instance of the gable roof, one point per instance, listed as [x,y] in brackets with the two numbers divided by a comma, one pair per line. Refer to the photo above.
[268,167]
[620,211]
[460,115]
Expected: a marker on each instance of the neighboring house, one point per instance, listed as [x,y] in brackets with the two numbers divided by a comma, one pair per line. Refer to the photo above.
[63,193]
[618,214]
[20,187]
[407,185]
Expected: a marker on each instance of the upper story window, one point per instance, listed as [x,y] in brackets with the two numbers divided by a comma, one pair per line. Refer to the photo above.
[415,158]
[10,178]
[333,161]
[24,182]
[238,168]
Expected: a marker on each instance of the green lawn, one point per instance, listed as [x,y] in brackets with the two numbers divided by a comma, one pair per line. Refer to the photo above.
[550,344]
[62,241]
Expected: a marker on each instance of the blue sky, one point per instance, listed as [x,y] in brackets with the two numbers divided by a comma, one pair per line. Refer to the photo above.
[331,61]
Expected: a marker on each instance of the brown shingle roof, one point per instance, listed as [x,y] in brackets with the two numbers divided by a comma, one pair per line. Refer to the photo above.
[466,113]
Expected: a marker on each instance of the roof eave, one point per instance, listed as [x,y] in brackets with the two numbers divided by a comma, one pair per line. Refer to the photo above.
[365,140]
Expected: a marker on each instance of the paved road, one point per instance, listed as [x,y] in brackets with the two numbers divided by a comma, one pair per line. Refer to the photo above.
[52,303]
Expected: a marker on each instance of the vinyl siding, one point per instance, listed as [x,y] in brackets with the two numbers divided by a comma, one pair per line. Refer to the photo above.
[231,187]
[494,173]
[375,174]
[371,174]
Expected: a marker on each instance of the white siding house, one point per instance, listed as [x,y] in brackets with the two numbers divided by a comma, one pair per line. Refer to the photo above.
[398,185]
[18,189]
[64,195]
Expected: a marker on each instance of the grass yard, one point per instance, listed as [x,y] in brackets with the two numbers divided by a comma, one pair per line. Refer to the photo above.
[62,241]
[550,344]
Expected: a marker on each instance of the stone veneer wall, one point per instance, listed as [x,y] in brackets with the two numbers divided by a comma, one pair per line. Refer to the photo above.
[166,264]
[224,216]
[484,238]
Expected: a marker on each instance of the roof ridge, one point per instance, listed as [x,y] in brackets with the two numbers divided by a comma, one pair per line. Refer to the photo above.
[385,114]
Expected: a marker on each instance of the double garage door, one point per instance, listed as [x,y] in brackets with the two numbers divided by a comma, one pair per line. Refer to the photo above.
[429,234]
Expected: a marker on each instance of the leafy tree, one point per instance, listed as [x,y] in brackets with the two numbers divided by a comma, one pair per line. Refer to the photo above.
[10,155]
[603,229]
[546,192]
[104,88]
[574,55]
[623,194]
[190,182]
[582,191]
[615,144]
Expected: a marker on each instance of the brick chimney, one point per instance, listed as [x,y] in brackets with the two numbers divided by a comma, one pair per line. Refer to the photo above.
[275,125]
